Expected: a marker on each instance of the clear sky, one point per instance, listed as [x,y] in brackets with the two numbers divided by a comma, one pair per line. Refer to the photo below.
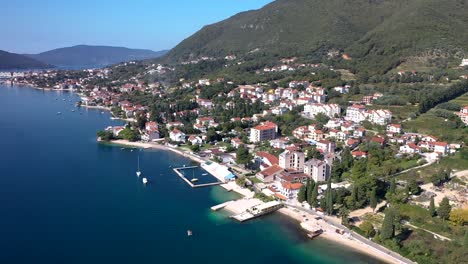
[32,26]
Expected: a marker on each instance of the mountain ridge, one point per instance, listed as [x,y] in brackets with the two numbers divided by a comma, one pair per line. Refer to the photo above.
[10,61]
[90,55]
[380,33]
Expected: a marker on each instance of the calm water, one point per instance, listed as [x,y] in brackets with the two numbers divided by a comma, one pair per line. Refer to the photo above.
[66,199]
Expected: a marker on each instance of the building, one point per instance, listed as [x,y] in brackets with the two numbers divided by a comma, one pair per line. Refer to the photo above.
[292,160]
[326,145]
[317,170]
[265,131]
[269,174]
[289,190]
[177,136]
[463,114]
[464,63]
[394,128]
[356,113]
[330,110]
[379,117]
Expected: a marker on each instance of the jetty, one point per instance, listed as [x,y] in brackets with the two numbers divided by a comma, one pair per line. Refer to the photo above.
[258,210]
[191,184]
[220,206]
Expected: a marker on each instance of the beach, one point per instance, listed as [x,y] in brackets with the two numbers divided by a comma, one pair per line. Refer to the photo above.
[248,201]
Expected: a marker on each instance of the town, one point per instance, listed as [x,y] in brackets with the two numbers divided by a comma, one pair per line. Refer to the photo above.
[330,150]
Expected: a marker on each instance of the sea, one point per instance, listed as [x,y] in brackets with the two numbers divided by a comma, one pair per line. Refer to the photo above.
[64,198]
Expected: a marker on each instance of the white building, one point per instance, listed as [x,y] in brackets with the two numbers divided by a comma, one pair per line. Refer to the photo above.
[289,190]
[265,131]
[356,113]
[329,110]
[292,160]
[464,63]
[379,117]
[177,136]
[394,128]
[317,169]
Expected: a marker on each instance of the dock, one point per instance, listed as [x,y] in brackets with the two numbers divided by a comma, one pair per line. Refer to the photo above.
[177,171]
[257,210]
[220,206]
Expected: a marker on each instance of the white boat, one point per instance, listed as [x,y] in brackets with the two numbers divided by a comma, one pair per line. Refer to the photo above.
[138,172]
[193,176]
[144,180]
[204,174]
[194,180]
[189,232]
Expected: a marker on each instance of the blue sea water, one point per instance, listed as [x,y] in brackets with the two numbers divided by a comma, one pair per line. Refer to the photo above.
[66,199]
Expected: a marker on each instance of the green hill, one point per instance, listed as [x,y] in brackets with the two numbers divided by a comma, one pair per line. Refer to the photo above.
[377,34]
[11,61]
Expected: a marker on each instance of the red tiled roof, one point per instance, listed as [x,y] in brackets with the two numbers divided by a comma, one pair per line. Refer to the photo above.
[271,158]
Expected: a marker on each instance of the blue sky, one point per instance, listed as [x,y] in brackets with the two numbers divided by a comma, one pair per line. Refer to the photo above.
[32,26]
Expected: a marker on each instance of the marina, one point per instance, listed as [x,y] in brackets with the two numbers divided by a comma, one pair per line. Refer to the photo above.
[258,210]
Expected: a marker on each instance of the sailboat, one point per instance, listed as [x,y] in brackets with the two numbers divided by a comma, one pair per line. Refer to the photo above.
[189,232]
[144,180]
[193,176]
[138,172]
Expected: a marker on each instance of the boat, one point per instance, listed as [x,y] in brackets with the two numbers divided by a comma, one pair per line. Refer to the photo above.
[138,172]
[189,233]
[144,180]
[193,176]
[315,233]
[204,174]
[59,113]
[73,110]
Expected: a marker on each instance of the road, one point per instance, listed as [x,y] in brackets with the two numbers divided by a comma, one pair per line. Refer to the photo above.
[438,236]
[356,236]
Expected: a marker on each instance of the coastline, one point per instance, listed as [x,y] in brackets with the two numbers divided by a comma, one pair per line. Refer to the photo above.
[248,200]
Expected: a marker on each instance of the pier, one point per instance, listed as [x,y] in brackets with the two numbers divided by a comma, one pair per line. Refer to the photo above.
[178,172]
[220,206]
[257,210]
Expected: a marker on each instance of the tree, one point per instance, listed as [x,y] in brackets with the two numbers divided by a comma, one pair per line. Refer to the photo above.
[329,197]
[141,121]
[391,190]
[432,209]
[129,134]
[413,187]
[388,226]
[302,194]
[444,209]
[373,199]
[310,188]
[242,155]
[459,216]
[368,229]
[344,213]
[105,135]
[312,200]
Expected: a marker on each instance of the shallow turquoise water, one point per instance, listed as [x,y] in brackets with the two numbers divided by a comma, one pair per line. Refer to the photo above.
[66,199]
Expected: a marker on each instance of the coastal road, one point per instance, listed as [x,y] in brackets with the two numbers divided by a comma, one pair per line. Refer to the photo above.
[398,258]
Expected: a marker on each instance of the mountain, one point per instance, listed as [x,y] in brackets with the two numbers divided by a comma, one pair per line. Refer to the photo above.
[374,33]
[93,56]
[9,61]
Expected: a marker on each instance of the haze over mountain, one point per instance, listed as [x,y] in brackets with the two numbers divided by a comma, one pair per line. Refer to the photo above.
[10,61]
[377,34]
[93,56]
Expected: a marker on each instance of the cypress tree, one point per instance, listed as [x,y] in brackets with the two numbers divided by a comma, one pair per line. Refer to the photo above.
[329,197]
[444,209]
[313,197]
[388,227]
[310,188]
[373,199]
[432,209]
[392,188]
[301,195]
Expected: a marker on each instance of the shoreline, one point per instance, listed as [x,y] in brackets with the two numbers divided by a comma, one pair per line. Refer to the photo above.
[328,234]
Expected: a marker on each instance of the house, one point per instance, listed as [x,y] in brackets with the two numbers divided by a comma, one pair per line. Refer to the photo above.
[292,160]
[151,132]
[177,136]
[317,170]
[378,140]
[429,139]
[326,145]
[195,140]
[236,142]
[359,154]
[356,113]
[330,110]
[264,160]
[463,114]
[352,143]
[174,124]
[394,128]
[289,190]
[205,103]
[269,174]
[410,148]
[359,132]
[441,147]
[464,63]
[279,143]
[379,117]
[265,131]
